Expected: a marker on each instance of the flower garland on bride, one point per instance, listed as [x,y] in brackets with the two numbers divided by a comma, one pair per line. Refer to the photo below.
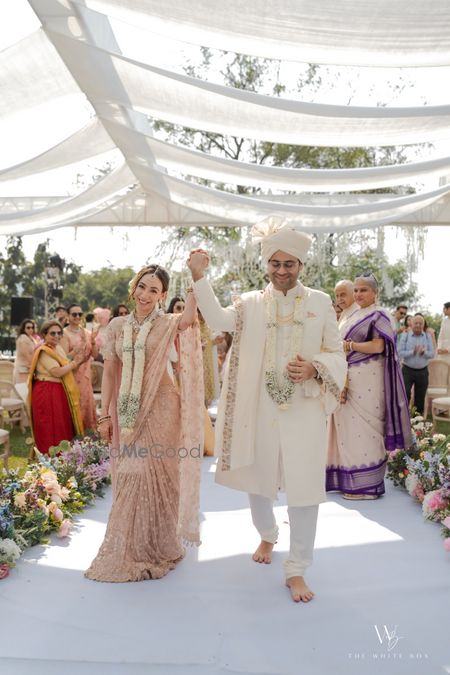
[133,368]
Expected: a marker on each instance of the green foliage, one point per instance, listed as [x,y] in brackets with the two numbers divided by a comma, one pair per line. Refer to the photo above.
[395,285]
[105,288]
[102,288]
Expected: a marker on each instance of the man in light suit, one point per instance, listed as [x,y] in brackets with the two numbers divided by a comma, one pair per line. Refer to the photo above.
[286,372]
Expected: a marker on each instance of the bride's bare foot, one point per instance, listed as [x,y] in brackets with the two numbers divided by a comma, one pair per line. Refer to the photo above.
[299,590]
[263,553]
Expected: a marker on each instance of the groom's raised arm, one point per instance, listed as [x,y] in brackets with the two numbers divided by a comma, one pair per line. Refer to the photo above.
[217,317]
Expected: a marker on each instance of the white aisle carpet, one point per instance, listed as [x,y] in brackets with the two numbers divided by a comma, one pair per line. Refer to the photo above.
[378,569]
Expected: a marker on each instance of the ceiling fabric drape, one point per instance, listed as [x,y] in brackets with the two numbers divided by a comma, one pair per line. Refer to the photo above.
[95,98]
[349,32]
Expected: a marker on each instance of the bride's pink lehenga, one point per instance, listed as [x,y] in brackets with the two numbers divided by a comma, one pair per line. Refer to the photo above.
[156,487]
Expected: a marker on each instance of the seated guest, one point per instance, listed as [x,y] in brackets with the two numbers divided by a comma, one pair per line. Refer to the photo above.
[416,350]
[25,346]
[53,395]
[373,416]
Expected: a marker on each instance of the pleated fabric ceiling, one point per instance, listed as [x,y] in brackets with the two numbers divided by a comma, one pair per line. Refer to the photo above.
[71,60]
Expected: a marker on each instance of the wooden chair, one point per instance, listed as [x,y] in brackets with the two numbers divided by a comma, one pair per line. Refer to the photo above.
[4,441]
[440,410]
[13,405]
[7,371]
[438,381]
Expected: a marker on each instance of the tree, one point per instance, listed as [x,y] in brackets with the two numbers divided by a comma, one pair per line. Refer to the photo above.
[264,76]
[106,287]
[11,279]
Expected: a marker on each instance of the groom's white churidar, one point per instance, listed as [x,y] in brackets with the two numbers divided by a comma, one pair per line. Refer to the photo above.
[271,430]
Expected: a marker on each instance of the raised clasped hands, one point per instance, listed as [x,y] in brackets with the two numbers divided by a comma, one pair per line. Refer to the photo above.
[300,370]
[197,262]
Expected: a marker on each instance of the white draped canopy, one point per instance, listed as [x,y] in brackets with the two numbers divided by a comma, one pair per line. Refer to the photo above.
[72,59]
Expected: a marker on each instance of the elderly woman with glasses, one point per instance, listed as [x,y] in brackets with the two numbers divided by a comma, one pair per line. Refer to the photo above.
[25,345]
[79,343]
[373,416]
[53,395]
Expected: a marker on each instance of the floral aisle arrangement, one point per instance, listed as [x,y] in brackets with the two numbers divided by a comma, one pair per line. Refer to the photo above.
[424,471]
[46,498]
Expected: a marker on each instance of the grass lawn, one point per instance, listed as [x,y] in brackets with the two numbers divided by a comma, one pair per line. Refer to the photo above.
[19,448]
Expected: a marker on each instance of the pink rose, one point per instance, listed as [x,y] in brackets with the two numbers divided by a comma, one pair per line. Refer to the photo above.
[446,522]
[447,544]
[65,528]
[4,570]
[436,502]
[58,514]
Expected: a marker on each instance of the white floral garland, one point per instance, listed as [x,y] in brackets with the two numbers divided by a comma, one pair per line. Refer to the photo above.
[281,393]
[129,400]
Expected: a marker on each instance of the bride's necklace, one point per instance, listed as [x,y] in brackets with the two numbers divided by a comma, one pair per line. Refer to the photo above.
[137,323]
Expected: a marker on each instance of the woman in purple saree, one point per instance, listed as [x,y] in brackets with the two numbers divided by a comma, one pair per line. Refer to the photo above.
[373,417]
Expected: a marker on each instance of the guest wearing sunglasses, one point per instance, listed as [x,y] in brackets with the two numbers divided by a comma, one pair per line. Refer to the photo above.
[78,343]
[53,395]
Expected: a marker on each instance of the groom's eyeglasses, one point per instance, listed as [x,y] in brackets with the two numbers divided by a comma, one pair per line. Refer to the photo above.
[288,265]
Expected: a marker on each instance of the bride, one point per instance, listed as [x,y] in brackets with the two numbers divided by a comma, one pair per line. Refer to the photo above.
[156,434]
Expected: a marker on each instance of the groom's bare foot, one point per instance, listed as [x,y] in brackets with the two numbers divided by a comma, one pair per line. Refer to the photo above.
[299,590]
[263,553]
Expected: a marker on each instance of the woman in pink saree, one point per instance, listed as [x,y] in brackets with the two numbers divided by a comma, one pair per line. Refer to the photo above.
[156,434]
[79,342]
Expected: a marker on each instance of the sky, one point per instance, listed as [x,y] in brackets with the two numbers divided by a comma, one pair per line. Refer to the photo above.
[97,247]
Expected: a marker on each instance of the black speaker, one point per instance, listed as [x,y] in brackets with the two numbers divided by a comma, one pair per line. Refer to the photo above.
[21,308]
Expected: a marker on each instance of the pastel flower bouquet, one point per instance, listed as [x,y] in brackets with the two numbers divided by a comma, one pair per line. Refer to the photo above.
[46,498]
[424,471]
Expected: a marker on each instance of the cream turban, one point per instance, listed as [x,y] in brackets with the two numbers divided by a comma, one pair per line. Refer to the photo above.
[276,235]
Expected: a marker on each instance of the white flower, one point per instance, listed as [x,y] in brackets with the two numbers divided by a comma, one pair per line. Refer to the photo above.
[281,393]
[439,437]
[9,551]
[131,383]
[411,482]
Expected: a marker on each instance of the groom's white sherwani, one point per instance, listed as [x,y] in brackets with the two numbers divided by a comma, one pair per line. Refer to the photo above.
[261,446]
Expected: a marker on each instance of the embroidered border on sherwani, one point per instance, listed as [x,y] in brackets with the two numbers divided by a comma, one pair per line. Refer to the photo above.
[326,379]
[231,389]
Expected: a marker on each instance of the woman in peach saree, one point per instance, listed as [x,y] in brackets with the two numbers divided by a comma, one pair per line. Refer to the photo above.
[156,435]
[77,341]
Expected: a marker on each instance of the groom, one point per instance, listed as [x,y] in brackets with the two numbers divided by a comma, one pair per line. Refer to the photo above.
[285,375]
